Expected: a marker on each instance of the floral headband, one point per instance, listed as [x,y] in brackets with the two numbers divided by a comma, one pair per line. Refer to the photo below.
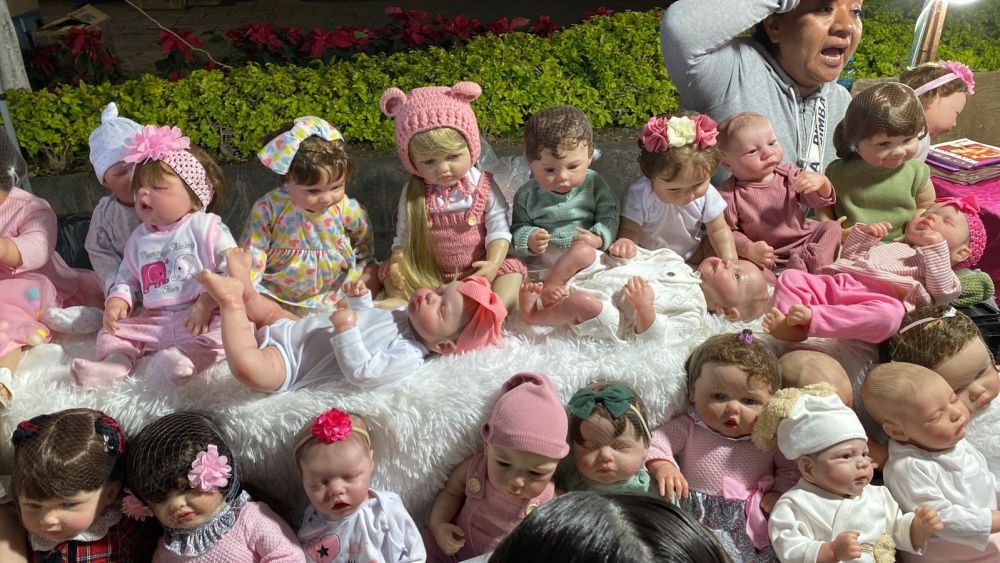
[617,399]
[660,133]
[170,146]
[969,206]
[279,152]
[956,70]
[332,426]
[947,314]
[104,426]
[209,471]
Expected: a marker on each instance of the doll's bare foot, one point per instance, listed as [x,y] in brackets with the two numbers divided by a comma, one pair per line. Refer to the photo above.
[777,325]
[239,263]
[527,300]
[552,294]
[227,291]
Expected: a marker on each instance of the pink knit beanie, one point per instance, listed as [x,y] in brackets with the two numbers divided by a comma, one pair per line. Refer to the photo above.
[529,417]
[969,206]
[486,321]
[429,108]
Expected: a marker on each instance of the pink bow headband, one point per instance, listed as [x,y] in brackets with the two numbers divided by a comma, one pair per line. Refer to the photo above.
[957,70]
[279,152]
[969,206]
[170,146]
[660,133]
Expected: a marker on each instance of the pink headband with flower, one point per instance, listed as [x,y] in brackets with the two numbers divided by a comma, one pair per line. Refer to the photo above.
[969,206]
[332,426]
[660,133]
[170,146]
[957,70]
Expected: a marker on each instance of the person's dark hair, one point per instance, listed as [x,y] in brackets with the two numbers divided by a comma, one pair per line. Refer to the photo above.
[61,454]
[160,457]
[588,527]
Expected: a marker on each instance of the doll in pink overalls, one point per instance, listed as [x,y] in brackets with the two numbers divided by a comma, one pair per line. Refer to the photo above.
[489,493]
[452,220]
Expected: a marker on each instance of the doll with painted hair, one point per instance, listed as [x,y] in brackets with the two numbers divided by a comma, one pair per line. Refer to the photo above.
[674,205]
[33,277]
[833,513]
[705,458]
[452,220]
[176,186]
[943,88]
[931,463]
[69,469]
[876,178]
[181,471]
[308,238]
[489,493]
[608,437]
[348,520]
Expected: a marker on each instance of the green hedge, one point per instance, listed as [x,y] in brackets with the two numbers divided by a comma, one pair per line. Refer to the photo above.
[609,67]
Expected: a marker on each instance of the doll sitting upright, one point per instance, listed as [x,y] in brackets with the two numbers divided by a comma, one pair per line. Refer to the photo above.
[833,513]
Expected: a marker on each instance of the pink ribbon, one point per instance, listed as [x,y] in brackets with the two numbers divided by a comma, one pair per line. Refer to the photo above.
[964,204]
[756,519]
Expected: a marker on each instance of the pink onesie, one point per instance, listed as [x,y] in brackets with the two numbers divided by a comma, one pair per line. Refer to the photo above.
[487,515]
[770,212]
[43,280]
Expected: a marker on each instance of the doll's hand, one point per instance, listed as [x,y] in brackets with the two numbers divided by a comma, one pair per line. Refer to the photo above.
[623,248]
[343,317]
[198,317]
[669,480]
[925,237]
[809,182]
[588,237]
[355,288]
[114,310]
[449,537]
[639,294]
[927,521]
[768,501]
[538,240]
[486,269]
[846,546]
[877,230]
[759,253]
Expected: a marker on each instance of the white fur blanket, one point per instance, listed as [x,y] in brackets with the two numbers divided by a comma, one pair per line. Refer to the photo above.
[423,426]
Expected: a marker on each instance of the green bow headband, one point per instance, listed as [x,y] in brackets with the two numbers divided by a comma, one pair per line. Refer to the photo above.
[617,399]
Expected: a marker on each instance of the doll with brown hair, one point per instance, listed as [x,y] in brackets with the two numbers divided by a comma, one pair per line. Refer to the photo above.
[308,238]
[943,88]
[875,178]
[947,341]
[452,219]
[69,468]
[347,520]
[833,513]
[181,471]
[705,458]
[176,187]
[608,437]
[674,205]
[931,463]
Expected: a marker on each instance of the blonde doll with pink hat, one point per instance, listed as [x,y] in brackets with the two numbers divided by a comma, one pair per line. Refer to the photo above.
[452,219]
[489,493]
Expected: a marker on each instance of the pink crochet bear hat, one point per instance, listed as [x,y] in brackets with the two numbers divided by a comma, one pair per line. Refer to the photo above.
[487,320]
[969,206]
[429,108]
[529,417]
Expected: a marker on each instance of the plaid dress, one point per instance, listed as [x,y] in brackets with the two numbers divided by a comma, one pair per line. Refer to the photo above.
[129,541]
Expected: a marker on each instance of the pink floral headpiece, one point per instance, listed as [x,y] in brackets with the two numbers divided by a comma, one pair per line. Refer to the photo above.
[956,70]
[332,426]
[969,206]
[209,470]
[135,508]
[660,133]
[170,146]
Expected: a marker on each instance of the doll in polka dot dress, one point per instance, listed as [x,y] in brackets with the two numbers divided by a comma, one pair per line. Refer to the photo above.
[307,237]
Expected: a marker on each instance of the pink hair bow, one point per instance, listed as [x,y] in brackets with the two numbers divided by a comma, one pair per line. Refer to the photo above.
[135,508]
[155,143]
[332,426]
[963,72]
[209,470]
[964,204]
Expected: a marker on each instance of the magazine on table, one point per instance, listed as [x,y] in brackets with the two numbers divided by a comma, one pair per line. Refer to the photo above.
[963,154]
[973,176]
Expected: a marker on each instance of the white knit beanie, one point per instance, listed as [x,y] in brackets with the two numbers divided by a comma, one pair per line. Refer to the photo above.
[107,142]
[816,423]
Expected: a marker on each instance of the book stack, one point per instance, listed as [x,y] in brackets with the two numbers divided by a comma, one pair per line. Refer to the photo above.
[964,161]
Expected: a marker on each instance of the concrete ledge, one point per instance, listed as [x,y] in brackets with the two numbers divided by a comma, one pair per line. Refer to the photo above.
[377,184]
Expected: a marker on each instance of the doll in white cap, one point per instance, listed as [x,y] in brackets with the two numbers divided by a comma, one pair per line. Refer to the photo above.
[833,513]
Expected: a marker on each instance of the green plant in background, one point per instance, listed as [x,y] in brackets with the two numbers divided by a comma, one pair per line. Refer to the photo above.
[608,66]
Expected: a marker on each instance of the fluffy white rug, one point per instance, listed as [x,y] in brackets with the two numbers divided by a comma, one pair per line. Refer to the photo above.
[423,426]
